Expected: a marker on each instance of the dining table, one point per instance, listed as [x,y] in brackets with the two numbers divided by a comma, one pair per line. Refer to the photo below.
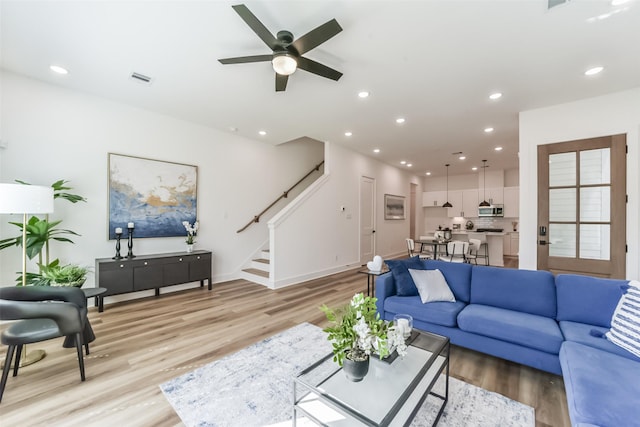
[439,246]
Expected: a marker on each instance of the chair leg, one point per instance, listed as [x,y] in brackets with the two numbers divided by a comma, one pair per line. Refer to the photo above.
[80,355]
[86,349]
[5,369]
[16,365]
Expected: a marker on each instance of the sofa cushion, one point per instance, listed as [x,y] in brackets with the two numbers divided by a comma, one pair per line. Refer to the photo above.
[400,271]
[439,313]
[529,330]
[592,336]
[458,277]
[431,285]
[587,299]
[526,291]
[625,322]
[602,388]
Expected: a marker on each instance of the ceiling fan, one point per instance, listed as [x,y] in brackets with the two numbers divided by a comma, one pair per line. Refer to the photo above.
[287,53]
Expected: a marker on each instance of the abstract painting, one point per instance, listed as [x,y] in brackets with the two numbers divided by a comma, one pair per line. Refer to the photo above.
[393,207]
[154,195]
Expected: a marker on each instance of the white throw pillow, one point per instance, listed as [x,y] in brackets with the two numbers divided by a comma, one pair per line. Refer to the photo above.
[432,286]
[625,322]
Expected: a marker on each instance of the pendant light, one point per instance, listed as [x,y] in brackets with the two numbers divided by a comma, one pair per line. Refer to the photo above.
[484,202]
[447,204]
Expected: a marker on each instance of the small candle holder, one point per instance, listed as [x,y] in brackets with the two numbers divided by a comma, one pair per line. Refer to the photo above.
[130,243]
[404,323]
[118,236]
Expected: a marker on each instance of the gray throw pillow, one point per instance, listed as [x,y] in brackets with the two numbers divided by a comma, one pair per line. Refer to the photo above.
[432,286]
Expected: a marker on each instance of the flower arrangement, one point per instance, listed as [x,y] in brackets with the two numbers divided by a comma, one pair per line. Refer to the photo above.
[357,331]
[191,231]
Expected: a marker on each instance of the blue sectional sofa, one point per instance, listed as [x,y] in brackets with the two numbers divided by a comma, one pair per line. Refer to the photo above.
[555,324]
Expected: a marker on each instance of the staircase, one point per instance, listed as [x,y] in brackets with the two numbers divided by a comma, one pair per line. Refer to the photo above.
[258,271]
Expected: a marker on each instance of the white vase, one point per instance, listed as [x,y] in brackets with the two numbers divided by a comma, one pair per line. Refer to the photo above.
[189,248]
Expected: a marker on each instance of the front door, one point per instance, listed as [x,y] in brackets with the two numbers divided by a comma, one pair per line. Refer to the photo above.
[582,207]
[367,219]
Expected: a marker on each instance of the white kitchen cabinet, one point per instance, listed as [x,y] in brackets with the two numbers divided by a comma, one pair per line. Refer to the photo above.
[511,244]
[432,199]
[511,202]
[455,198]
[465,203]
[493,195]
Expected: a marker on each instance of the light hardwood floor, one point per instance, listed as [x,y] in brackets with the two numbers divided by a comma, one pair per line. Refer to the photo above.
[142,343]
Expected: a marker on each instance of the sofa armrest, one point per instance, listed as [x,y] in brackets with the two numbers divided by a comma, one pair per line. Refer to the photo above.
[385,287]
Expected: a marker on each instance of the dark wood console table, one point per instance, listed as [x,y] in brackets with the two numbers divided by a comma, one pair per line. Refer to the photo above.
[152,271]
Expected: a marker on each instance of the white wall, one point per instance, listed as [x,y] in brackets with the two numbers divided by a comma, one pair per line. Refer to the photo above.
[53,133]
[318,238]
[617,113]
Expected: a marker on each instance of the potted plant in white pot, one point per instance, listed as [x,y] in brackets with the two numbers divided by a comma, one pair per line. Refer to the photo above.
[357,332]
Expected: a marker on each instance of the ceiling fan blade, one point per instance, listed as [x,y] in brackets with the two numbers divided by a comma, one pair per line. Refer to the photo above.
[281,82]
[317,36]
[245,59]
[317,68]
[257,26]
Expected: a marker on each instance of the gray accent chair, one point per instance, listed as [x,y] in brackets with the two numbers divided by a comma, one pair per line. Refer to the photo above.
[43,313]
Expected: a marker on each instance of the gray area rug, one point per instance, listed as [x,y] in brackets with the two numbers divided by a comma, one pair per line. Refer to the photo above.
[253,387]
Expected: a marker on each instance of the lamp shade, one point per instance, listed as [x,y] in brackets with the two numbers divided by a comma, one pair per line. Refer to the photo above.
[25,199]
[284,64]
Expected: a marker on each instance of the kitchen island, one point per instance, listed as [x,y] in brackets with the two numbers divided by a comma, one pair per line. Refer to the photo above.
[494,243]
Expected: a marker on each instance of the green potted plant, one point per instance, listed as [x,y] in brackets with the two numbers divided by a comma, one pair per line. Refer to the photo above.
[40,231]
[357,332]
[55,274]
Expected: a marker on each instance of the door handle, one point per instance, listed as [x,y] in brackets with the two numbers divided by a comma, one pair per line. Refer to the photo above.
[544,242]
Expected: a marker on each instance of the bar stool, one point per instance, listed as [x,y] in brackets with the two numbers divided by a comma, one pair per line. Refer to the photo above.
[483,252]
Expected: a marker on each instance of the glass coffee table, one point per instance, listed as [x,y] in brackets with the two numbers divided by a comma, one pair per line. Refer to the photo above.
[390,394]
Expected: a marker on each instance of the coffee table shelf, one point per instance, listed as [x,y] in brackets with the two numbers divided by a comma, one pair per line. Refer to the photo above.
[390,394]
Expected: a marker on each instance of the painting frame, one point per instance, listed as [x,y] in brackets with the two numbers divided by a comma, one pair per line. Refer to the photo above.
[394,207]
[155,195]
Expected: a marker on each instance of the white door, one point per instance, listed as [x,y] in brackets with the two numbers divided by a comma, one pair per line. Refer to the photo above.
[367,219]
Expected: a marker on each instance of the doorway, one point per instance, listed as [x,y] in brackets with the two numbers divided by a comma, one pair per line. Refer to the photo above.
[367,219]
[582,207]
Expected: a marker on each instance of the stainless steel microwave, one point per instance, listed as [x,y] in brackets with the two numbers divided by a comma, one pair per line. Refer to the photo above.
[493,210]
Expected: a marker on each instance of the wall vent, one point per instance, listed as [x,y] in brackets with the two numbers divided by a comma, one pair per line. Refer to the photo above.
[141,78]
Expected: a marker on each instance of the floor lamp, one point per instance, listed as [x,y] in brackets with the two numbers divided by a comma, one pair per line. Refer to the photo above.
[26,199]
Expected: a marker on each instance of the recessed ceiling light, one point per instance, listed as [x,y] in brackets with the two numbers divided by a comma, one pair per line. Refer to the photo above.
[498,148]
[462,157]
[348,133]
[262,133]
[488,130]
[363,94]
[409,165]
[403,162]
[495,96]
[376,150]
[593,71]
[428,173]
[400,120]
[475,168]
[58,69]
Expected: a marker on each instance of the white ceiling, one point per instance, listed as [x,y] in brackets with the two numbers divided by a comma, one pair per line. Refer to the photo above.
[433,62]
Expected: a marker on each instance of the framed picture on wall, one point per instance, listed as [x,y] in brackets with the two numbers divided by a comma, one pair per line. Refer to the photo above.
[153,194]
[394,207]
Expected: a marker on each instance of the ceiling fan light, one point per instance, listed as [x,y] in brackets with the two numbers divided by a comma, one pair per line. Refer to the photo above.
[484,203]
[447,205]
[284,64]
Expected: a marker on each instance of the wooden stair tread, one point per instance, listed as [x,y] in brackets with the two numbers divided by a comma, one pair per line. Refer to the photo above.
[262,260]
[257,272]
